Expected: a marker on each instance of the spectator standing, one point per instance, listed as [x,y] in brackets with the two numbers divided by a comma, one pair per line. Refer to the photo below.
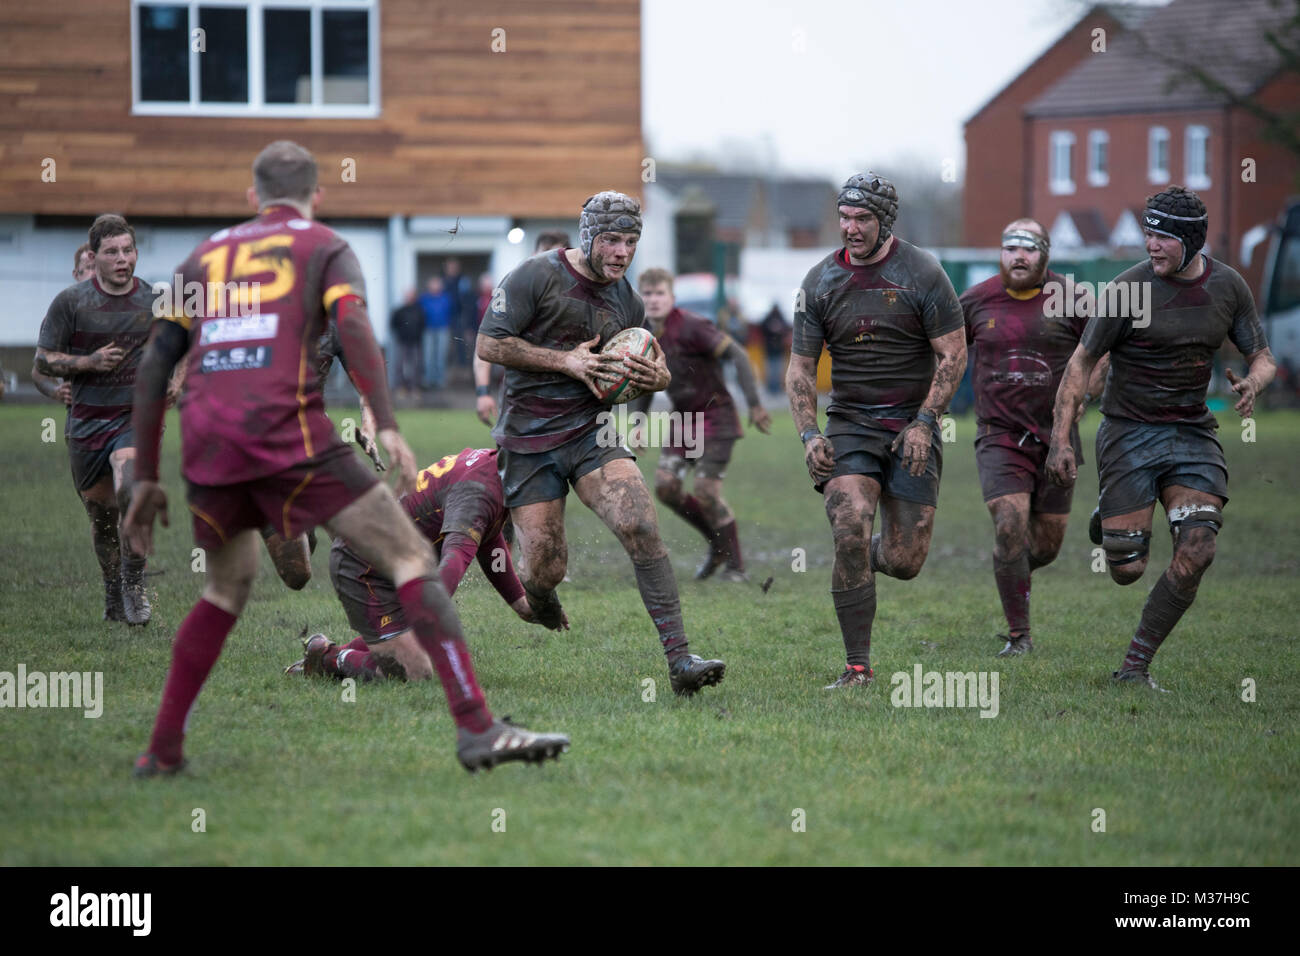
[436,305]
[460,290]
[407,329]
[776,346]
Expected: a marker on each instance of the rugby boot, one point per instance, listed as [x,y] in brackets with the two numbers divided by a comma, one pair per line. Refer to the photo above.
[135,603]
[546,608]
[733,575]
[147,765]
[1020,644]
[1137,675]
[113,610]
[855,675]
[689,673]
[1094,526]
[297,669]
[711,563]
[502,742]
[313,655]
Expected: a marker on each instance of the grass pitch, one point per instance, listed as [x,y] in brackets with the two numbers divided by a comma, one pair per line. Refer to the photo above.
[766,769]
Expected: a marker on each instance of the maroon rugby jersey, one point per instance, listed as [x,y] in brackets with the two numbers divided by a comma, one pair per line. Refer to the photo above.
[1020,355]
[694,347]
[459,493]
[252,405]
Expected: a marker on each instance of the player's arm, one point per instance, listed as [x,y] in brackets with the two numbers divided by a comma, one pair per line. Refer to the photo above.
[801,386]
[758,415]
[51,387]
[950,364]
[177,383]
[579,362]
[1061,467]
[365,367]
[1262,368]
[366,436]
[806,344]
[62,364]
[485,406]
[458,550]
[168,342]
[1097,380]
[1096,383]
[495,563]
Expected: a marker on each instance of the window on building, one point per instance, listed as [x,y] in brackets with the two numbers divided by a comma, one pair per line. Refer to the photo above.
[1098,157]
[1158,155]
[1060,164]
[1196,157]
[259,57]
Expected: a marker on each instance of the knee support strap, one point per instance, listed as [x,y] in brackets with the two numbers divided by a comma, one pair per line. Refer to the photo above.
[1194,516]
[1124,547]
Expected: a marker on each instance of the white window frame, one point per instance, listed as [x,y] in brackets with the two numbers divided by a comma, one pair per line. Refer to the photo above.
[1098,177]
[1196,139]
[256,105]
[1058,140]
[1155,174]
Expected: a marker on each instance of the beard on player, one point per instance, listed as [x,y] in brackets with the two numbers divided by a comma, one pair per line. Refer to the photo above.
[1023,274]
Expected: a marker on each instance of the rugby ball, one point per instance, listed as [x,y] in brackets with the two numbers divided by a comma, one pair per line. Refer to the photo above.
[634,341]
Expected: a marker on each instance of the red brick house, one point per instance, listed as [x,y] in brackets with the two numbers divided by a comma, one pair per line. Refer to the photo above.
[1123,124]
[997,136]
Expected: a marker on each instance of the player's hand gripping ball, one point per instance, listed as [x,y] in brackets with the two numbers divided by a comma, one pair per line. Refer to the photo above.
[634,341]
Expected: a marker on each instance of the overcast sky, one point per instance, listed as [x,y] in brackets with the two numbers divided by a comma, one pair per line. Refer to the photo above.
[828,87]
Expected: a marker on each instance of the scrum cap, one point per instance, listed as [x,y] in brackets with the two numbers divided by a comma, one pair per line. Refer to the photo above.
[1180,214]
[875,194]
[607,211]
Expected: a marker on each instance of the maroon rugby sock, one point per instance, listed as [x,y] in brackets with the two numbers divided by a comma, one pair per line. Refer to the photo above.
[357,662]
[1165,606]
[693,514]
[432,617]
[856,610]
[333,657]
[194,651]
[1013,588]
[730,545]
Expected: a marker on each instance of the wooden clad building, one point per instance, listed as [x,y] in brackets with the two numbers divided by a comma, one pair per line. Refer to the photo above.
[440,126]
[504,108]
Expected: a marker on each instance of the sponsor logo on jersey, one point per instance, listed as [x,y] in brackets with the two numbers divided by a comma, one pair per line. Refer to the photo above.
[216,331]
[237,359]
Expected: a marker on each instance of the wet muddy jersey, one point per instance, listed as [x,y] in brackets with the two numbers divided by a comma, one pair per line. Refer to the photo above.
[547,303]
[1020,354]
[1161,362]
[877,322]
[82,319]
